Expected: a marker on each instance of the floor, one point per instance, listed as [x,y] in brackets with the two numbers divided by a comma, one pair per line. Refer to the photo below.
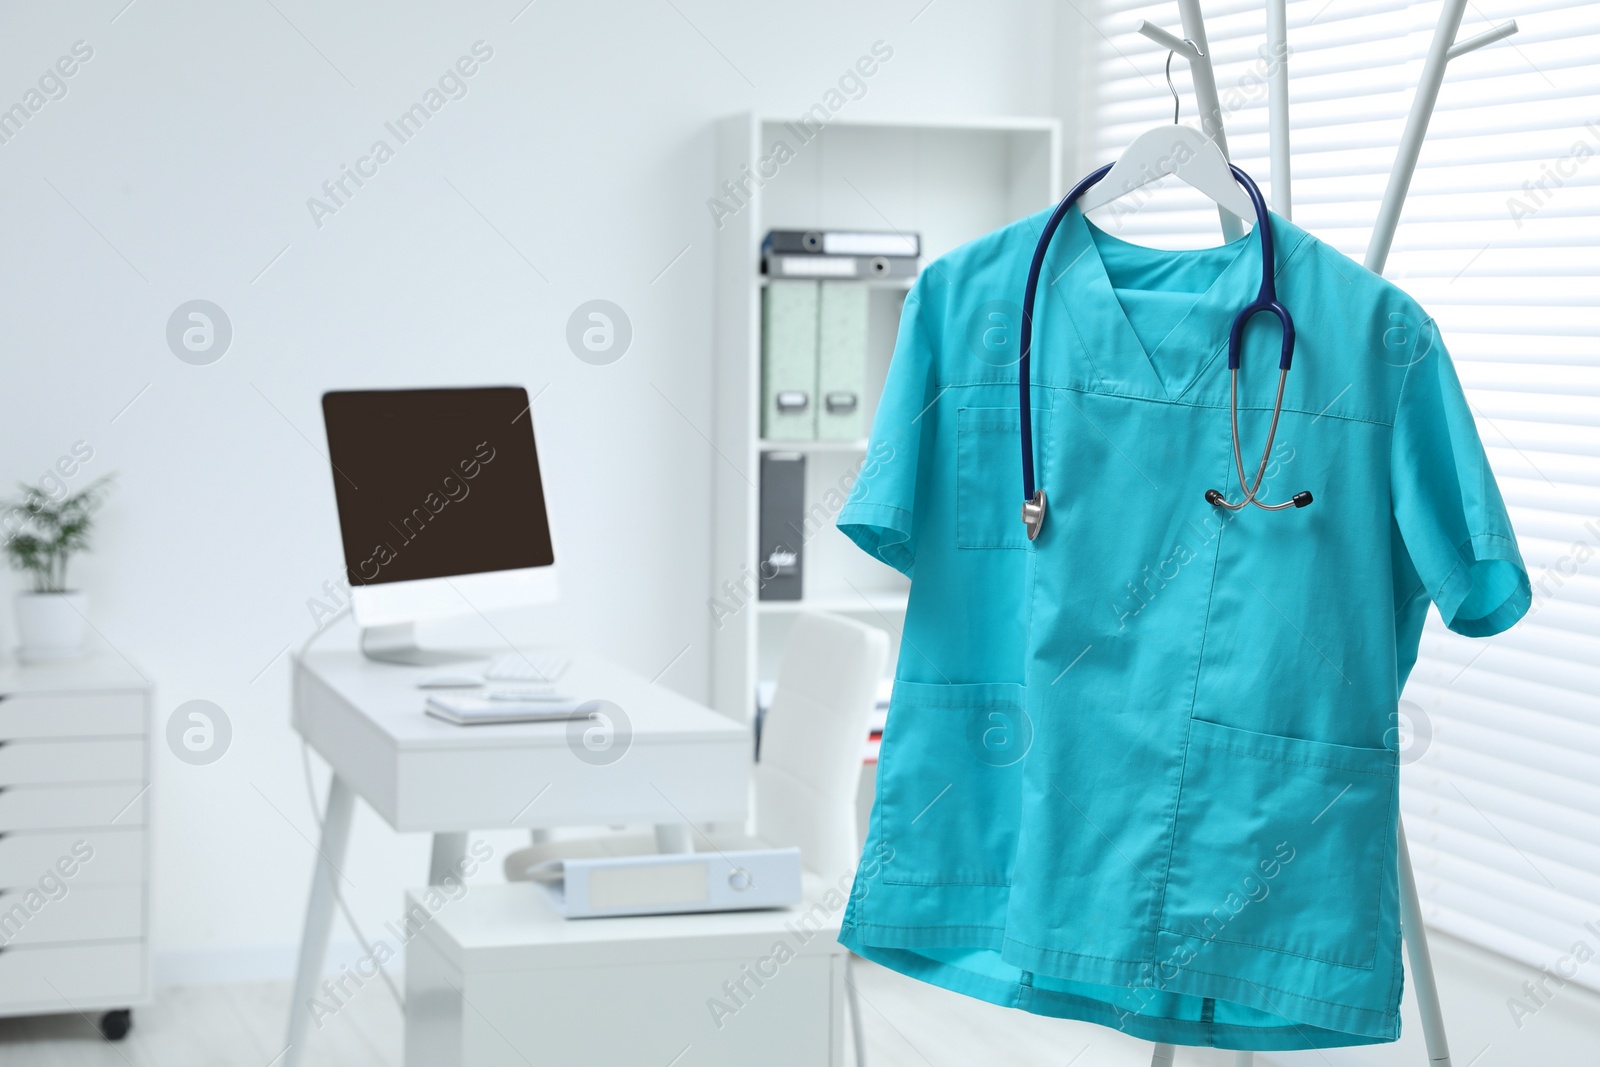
[908,1025]
[211,1026]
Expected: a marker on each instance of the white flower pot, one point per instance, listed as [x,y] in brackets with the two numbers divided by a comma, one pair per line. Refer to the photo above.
[50,626]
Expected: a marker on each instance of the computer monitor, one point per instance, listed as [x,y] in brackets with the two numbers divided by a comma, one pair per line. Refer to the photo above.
[441,508]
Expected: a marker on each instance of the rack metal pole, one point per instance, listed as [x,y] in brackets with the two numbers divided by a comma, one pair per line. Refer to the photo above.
[1422,976]
[1441,51]
[1443,48]
[1277,59]
[1205,94]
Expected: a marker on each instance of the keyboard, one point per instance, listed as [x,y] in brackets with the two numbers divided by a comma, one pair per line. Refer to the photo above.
[544,666]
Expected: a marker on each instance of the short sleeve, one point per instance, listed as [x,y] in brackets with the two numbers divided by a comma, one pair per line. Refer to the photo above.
[880,514]
[1447,507]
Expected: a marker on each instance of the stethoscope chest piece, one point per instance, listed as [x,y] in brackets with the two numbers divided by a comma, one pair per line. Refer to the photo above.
[1033,514]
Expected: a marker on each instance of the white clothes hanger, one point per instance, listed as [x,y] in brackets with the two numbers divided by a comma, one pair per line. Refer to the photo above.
[1178,150]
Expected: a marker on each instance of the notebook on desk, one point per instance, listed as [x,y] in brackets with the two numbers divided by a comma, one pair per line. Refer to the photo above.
[465,710]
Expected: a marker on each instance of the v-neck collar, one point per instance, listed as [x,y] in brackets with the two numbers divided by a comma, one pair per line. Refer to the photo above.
[1082,289]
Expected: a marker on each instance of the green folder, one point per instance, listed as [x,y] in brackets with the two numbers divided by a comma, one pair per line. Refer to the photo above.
[789,361]
[841,361]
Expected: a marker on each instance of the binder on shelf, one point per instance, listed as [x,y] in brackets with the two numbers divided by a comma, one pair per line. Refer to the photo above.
[841,361]
[781,538]
[880,708]
[879,719]
[844,242]
[789,361]
[856,268]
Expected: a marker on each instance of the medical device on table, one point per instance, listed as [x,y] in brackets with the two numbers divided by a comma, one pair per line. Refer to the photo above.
[598,886]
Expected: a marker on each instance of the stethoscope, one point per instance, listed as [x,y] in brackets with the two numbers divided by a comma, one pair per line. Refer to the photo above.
[1033,505]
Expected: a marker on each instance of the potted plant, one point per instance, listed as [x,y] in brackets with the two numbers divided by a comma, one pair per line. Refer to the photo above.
[41,536]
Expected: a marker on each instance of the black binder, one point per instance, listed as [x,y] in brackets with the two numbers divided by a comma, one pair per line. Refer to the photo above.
[844,242]
[781,540]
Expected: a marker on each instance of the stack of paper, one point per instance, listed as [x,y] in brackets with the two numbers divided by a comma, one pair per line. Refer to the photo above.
[477,710]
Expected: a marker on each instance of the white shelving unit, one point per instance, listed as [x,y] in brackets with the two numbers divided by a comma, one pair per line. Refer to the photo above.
[949,181]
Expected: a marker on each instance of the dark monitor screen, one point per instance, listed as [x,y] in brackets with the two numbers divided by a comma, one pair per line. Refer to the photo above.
[433,483]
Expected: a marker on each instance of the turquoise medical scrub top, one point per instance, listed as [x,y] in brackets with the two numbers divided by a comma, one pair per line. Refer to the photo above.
[1142,771]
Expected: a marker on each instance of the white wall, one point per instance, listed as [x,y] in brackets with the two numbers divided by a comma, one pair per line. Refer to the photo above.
[178,166]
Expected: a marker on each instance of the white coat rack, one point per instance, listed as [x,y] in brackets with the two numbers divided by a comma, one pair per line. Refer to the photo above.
[1441,51]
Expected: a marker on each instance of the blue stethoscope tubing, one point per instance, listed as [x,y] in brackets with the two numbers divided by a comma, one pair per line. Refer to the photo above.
[1266,300]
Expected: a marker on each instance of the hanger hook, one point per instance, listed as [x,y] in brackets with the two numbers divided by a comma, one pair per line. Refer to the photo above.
[1170,87]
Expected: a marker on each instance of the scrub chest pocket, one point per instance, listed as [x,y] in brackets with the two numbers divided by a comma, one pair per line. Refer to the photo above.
[987,506]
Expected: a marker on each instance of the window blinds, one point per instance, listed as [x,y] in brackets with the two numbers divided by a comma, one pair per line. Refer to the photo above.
[1500,240]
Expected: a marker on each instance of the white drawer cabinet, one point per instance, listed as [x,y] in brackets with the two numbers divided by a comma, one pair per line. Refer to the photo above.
[89,975]
[114,855]
[74,790]
[65,715]
[57,762]
[71,913]
[57,807]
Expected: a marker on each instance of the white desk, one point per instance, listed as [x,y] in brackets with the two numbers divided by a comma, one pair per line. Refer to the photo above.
[683,763]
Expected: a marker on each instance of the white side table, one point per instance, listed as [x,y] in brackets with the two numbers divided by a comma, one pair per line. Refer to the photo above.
[497,978]
[74,791]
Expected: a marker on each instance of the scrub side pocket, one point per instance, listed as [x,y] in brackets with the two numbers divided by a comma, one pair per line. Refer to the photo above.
[989,474]
[949,782]
[1281,844]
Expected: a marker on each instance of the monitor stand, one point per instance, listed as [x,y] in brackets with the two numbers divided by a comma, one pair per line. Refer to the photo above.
[397,643]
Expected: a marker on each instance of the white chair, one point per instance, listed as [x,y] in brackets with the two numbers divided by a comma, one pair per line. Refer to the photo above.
[809,771]
[812,740]
[1166,1056]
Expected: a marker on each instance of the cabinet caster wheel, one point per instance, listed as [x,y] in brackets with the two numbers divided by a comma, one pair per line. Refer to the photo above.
[116,1024]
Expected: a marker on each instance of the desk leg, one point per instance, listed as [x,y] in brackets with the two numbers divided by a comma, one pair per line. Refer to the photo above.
[319,914]
[449,850]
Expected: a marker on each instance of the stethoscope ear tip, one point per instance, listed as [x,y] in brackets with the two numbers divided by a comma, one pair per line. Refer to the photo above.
[1214,498]
[1301,499]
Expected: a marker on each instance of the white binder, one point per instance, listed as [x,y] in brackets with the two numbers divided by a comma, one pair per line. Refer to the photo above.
[841,361]
[789,361]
